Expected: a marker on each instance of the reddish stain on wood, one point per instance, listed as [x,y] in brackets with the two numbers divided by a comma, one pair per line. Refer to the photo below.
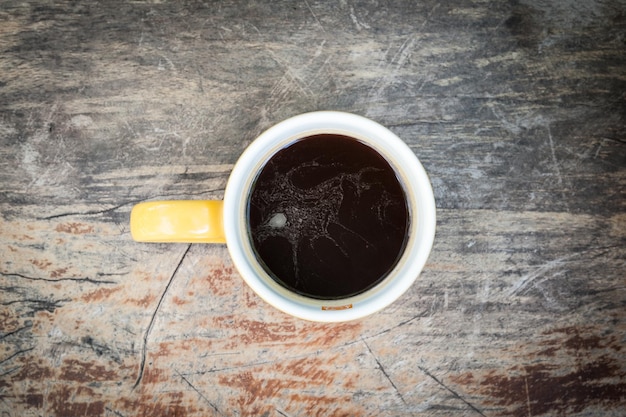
[34,400]
[583,338]
[304,382]
[255,391]
[251,299]
[312,369]
[79,371]
[331,334]
[179,301]
[539,385]
[254,331]
[173,404]
[74,228]
[542,389]
[66,401]
[145,301]
[32,369]
[220,280]
[154,375]
[169,349]
[42,264]
[99,294]
[58,272]
[8,321]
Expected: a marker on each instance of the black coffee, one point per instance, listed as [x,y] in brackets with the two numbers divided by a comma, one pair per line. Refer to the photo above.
[328,217]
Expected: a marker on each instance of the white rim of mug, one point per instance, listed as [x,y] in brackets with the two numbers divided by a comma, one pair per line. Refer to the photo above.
[420,200]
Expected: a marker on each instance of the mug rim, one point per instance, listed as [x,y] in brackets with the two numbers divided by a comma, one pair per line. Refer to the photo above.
[420,200]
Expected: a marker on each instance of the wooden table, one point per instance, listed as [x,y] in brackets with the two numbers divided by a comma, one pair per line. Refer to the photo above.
[517,111]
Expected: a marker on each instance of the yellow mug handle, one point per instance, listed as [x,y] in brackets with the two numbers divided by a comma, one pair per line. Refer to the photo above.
[183,221]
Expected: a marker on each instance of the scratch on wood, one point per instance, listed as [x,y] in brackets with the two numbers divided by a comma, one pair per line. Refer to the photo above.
[527,396]
[422,314]
[434,378]
[401,57]
[527,279]
[144,348]
[382,369]
[358,24]
[117,413]
[595,156]
[314,15]
[199,393]
[234,368]
[616,140]
[554,160]
[281,413]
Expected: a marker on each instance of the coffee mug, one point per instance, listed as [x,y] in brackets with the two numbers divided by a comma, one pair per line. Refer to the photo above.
[328,216]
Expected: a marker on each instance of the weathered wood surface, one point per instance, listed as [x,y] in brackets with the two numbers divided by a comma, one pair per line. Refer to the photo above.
[517,110]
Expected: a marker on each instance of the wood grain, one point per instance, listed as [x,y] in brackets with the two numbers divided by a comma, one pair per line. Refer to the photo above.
[516,109]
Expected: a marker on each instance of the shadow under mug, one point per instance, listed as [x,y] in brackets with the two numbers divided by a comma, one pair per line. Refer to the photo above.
[227,221]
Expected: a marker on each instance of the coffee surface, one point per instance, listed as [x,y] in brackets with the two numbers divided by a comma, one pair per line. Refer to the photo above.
[328,217]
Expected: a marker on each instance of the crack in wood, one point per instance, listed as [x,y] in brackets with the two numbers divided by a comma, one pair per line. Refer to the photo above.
[144,348]
[434,378]
[78,279]
[87,213]
[15,331]
[47,305]
[10,371]
[118,206]
[19,352]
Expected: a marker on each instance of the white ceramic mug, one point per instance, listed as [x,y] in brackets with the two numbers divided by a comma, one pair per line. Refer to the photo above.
[227,221]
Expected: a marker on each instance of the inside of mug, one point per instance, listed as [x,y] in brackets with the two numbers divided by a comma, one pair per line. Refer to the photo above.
[328,216]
